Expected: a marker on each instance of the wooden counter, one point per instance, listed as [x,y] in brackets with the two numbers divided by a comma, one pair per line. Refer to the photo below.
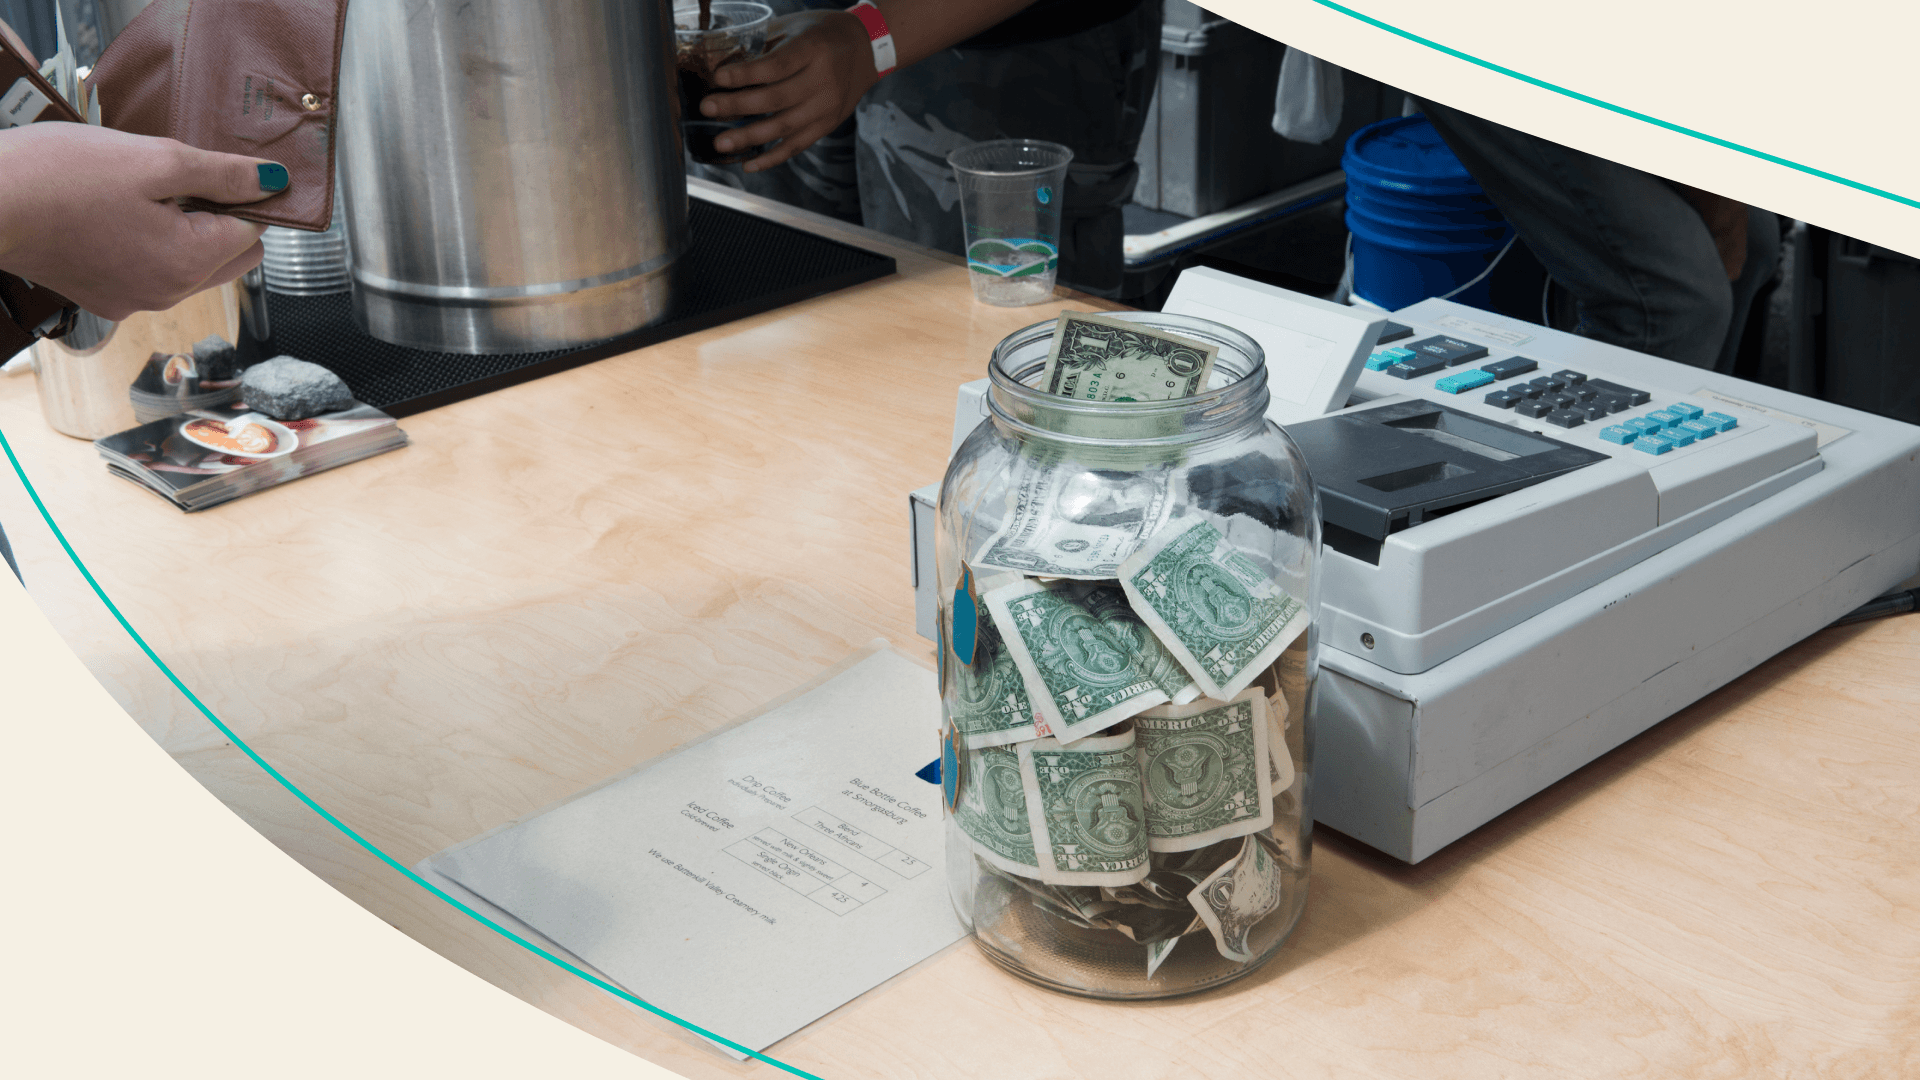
[559,580]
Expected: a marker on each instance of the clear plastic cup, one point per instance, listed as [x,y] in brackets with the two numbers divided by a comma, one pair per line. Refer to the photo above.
[736,32]
[1010,194]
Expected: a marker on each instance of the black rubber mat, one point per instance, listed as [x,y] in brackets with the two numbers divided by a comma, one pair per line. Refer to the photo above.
[739,265]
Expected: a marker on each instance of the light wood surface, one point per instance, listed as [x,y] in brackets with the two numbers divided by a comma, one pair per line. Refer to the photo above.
[557,581]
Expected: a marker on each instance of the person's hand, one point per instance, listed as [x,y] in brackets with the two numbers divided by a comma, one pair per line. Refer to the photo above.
[90,214]
[808,85]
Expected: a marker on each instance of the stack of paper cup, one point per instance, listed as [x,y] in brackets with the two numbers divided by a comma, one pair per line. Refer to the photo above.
[300,263]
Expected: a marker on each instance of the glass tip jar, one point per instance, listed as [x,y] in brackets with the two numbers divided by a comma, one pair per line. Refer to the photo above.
[1128,596]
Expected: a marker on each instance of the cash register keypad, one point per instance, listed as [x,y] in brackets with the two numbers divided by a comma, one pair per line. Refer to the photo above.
[1565,398]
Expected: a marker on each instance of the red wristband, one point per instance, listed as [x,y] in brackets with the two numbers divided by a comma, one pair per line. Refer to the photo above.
[877,33]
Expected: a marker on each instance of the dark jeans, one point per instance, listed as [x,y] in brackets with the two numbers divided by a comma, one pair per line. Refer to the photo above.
[1638,261]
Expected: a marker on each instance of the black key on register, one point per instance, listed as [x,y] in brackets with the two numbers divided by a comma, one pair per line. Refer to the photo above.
[1592,411]
[1508,368]
[1393,331]
[1634,397]
[1534,408]
[1452,351]
[1548,384]
[1562,399]
[1419,365]
[1583,393]
[1526,390]
[1614,402]
[1568,418]
[1571,378]
[1501,399]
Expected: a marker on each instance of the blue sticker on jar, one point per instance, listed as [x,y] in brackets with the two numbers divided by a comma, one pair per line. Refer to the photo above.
[1045,195]
[953,764]
[966,616]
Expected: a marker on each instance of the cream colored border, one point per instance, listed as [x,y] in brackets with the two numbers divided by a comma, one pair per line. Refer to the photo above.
[156,934]
[1827,86]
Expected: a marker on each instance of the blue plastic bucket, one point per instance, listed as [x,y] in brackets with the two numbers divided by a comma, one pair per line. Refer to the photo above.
[1391,271]
[1428,232]
[1406,200]
[1384,204]
[1421,226]
[1405,154]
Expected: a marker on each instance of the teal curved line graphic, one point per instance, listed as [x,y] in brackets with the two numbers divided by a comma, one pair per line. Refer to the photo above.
[1610,107]
[328,816]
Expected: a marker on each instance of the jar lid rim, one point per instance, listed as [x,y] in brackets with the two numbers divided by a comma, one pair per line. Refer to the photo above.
[1230,397]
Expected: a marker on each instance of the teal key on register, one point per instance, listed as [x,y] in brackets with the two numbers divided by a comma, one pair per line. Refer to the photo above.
[1652,444]
[1463,381]
[1721,420]
[1665,417]
[1645,426]
[1619,433]
[1686,411]
[1702,429]
[1386,358]
[1678,436]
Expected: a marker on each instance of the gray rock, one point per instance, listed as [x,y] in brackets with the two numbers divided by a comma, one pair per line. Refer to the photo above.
[289,389]
[213,358]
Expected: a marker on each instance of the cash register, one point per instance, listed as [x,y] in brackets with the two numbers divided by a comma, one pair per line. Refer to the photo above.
[1536,545]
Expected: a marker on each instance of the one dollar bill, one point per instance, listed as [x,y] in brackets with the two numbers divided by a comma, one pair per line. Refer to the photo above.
[1234,898]
[1087,660]
[992,811]
[1210,605]
[1207,771]
[1095,358]
[1060,815]
[1090,824]
[990,706]
[1066,520]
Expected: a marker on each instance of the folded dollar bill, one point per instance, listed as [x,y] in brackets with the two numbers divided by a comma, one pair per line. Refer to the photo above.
[990,704]
[1237,896]
[1097,358]
[1087,660]
[1068,520]
[1279,758]
[1059,815]
[1090,824]
[1210,605]
[1206,770]
[992,811]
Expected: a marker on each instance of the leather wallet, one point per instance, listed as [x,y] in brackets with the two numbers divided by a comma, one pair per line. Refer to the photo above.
[252,77]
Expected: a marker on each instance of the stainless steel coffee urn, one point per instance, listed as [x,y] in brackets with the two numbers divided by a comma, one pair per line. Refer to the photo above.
[512,170]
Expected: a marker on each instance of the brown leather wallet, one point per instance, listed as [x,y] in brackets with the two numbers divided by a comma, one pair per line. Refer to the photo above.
[252,77]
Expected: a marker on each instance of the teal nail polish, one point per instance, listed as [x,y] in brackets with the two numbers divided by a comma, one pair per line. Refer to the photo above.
[273,177]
